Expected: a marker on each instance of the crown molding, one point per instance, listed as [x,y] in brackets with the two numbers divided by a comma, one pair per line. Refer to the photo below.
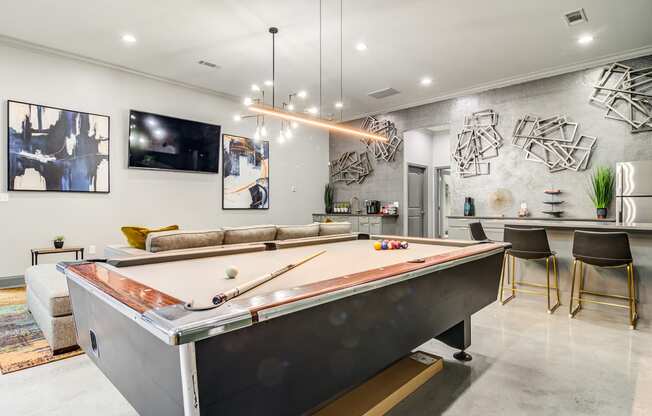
[46,50]
[520,79]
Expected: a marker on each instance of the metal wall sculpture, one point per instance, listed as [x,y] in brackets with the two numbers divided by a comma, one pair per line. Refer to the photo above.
[553,141]
[351,167]
[626,93]
[378,149]
[478,141]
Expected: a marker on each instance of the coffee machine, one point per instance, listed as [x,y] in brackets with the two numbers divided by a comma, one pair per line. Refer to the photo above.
[372,206]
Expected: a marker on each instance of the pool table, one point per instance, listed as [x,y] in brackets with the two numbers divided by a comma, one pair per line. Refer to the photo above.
[287,346]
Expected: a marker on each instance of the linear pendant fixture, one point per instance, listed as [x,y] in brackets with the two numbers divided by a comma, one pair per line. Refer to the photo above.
[286,115]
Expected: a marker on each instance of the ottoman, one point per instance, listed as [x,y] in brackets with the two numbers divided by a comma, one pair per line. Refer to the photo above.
[48,301]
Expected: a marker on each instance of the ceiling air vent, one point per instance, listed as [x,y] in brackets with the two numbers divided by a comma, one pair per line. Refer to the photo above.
[209,64]
[385,92]
[575,17]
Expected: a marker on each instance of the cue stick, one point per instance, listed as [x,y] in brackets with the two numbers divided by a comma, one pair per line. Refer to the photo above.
[224,297]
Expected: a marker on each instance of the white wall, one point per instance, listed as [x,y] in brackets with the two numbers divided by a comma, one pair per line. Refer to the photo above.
[138,197]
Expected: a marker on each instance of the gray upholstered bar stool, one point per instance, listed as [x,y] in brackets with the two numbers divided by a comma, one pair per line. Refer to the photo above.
[477,232]
[530,245]
[609,250]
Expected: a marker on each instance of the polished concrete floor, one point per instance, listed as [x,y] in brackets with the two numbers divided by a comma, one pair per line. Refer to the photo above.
[525,362]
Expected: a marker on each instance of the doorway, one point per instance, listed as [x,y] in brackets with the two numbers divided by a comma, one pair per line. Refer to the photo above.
[442,201]
[417,209]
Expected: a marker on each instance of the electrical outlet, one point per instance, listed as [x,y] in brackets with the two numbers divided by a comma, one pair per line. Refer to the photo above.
[4,197]
[91,249]
[293,188]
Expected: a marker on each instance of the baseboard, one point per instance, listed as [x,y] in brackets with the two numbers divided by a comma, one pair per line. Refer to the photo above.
[11,281]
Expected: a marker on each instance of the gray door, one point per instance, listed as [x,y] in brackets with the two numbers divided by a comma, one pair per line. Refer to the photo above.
[416,199]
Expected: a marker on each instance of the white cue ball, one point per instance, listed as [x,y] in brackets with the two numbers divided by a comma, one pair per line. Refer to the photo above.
[231,272]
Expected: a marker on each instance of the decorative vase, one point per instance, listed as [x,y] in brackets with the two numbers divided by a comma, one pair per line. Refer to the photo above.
[602,213]
[58,244]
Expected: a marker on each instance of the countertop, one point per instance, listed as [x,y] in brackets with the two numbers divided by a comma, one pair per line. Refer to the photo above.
[585,225]
[553,219]
[341,214]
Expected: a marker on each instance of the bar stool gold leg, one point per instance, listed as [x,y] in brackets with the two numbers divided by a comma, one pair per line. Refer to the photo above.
[505,271]
[632,298]
[556,286]
[571,311]
[581,286]
[513,276]
[556,272]
[634,293]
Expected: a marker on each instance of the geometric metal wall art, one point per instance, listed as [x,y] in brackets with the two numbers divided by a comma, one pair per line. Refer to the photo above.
[381,150]
[626,94]
[553,141]
[351,167]
[478,141]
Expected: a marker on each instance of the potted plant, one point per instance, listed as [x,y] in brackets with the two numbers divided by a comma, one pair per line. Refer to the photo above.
[329,192]
[602,189]
[58,241]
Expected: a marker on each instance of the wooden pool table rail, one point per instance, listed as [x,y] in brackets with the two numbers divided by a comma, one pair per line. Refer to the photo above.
[142,298]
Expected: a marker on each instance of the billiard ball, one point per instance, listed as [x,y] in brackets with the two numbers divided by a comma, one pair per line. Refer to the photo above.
[378,245]
[383,245]
[231,272]
[404,244]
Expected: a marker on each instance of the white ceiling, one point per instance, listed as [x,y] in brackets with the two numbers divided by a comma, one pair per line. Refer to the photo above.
[462,44]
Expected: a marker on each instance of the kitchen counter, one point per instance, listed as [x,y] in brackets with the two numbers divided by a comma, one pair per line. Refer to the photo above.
[344,214]
[364,223]
[581,225]
[499,217]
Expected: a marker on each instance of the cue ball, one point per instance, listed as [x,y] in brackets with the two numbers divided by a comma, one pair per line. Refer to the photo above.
[231,272]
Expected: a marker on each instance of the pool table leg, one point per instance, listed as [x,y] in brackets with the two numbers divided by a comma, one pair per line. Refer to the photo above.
[458,336]
[189,385]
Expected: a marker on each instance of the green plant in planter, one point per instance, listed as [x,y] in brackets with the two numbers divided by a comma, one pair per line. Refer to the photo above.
[601,192]
[329,192]
[58,241]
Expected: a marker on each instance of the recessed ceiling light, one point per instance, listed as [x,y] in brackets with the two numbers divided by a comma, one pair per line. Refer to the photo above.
[128,38]
[248,101]
[269,83]
[360,46]
[312,110]
[237,117]
[426,81]
[339,104]
[255,87]
[302,94]
[585,39]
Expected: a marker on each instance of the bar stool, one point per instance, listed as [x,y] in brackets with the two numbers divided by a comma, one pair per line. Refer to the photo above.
[477,232]
[529,244]
[605,250]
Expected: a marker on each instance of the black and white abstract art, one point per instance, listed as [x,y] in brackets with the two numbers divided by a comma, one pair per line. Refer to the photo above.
[246,173]
[52,149]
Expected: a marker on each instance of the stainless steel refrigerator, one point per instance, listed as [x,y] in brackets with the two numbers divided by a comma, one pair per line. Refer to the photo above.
[634,192]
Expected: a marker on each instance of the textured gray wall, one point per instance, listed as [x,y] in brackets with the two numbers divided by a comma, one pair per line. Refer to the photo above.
[565,94]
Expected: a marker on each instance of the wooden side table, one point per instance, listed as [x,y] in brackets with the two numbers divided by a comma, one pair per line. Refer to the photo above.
[79,252]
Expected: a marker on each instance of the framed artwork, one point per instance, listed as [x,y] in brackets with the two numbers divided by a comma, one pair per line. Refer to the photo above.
[245,173]
[56,150]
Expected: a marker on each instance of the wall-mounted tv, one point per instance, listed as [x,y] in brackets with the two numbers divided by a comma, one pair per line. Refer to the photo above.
[169,143]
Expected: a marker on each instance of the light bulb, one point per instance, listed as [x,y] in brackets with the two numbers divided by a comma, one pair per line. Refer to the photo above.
[302,94]
[295,125]
[255,88]
[339,104]
[263,131]
[426,81]
[291,107]
[269,83]
[585,39]
[248,101]
[237,117]
[312,110]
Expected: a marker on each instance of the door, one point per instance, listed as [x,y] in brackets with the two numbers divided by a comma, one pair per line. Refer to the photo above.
[442,201]
[416,200]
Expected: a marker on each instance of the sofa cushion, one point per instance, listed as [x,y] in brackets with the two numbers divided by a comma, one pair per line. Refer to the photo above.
[50,287]
[175,240]
[136,235]
[287,232]
[253,234]
[332,228]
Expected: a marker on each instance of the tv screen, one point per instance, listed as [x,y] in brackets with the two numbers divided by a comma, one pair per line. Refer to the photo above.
[168,143]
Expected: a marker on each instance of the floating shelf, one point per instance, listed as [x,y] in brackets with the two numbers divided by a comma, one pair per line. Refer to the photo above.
[553,213]
[553,202]
[552,191]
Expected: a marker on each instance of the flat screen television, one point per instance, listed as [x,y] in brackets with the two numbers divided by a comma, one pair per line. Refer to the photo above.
[169,143]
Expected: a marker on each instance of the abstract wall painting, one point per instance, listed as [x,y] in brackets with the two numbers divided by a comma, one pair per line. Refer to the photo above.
[245,177]
[53,149]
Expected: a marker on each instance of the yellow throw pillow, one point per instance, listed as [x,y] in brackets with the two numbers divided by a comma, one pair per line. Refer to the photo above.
[136,236]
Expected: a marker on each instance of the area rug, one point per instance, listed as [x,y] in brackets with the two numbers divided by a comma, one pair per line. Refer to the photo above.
[21,342]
